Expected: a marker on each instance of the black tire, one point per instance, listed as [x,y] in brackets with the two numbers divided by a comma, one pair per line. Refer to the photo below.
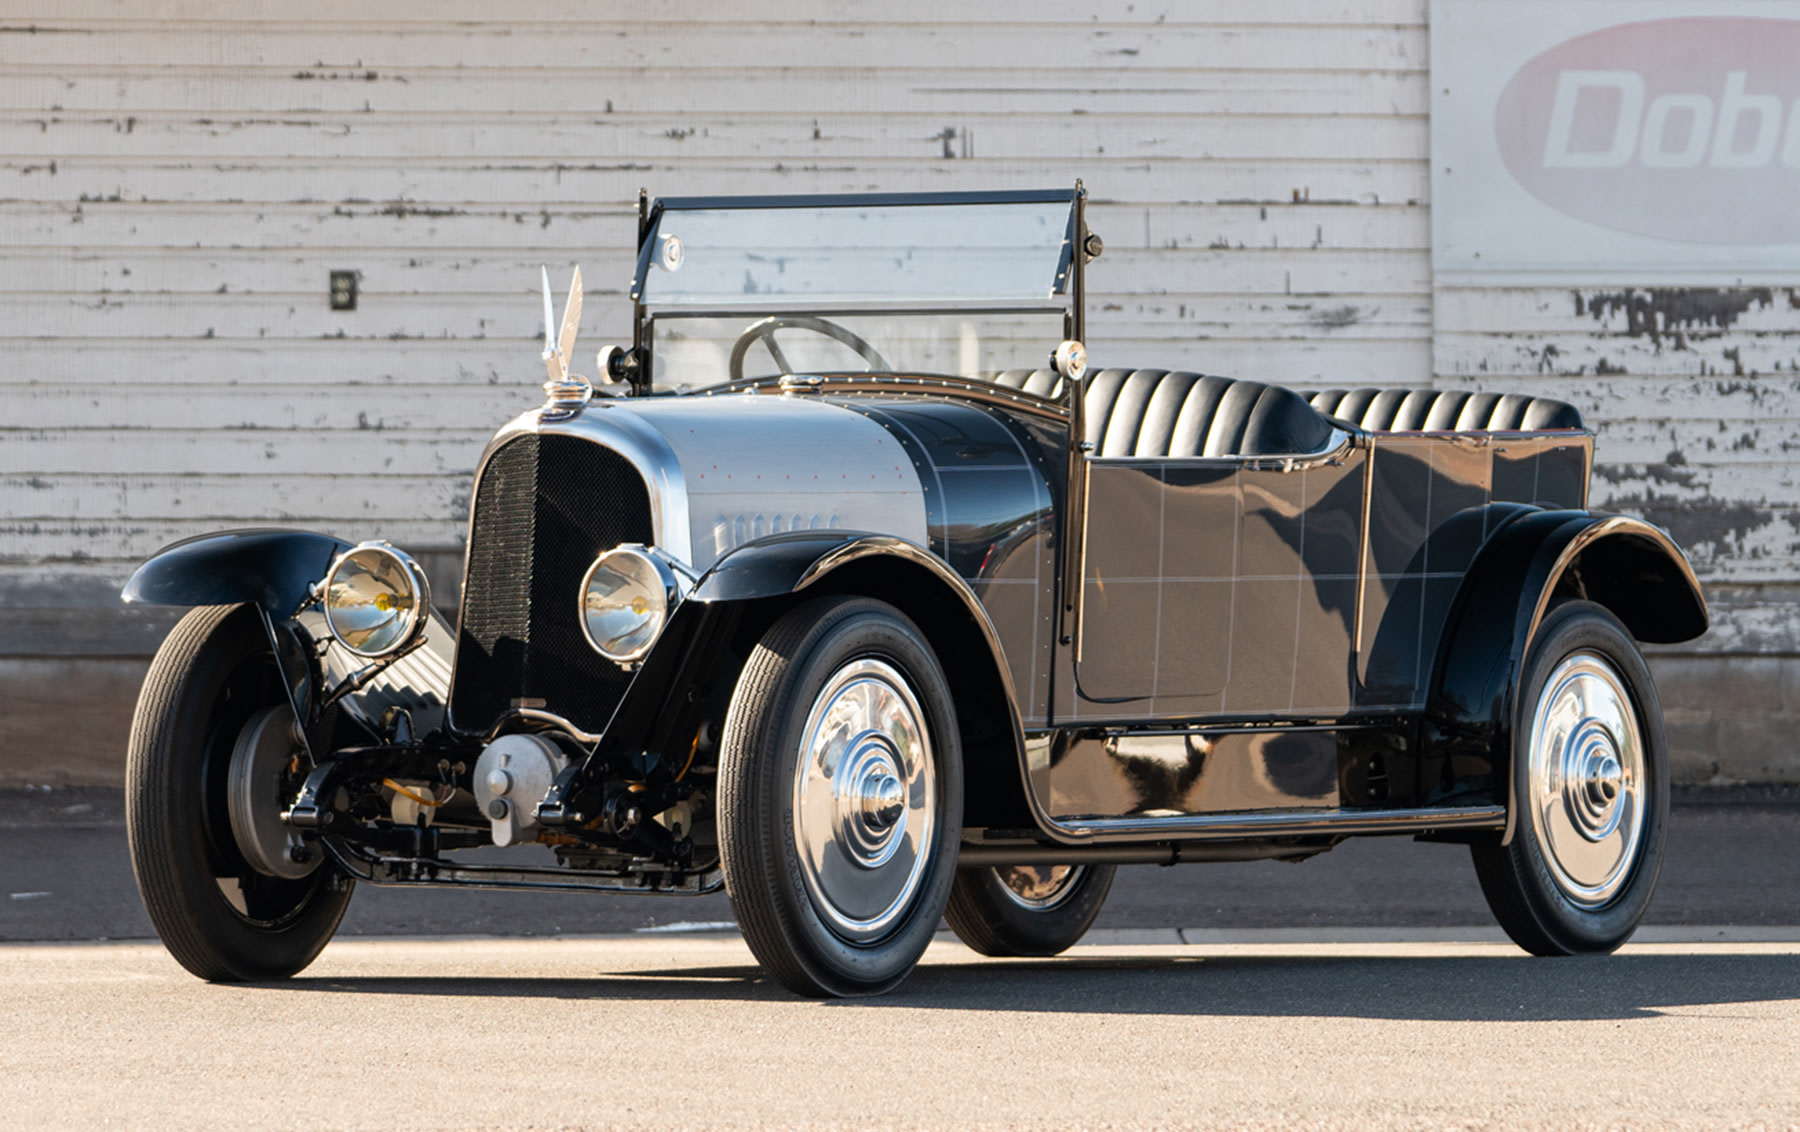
[213,673]
[776,887]
[1026,911]
[1526,884]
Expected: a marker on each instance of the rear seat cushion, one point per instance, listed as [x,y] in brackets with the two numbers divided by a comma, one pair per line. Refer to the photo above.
[1153,412]
[1429,410]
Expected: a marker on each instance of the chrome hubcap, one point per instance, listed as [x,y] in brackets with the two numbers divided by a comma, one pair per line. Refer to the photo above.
[1040,887]
[865,800]
[1587,779]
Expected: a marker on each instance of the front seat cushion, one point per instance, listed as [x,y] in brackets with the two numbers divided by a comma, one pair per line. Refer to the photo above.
[1154,412]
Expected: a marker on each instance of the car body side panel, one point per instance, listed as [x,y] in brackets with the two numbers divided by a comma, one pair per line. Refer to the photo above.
[1429,514]
[1243,603]
[1217,592]
[989,514]
[1217,587]
[1148,774]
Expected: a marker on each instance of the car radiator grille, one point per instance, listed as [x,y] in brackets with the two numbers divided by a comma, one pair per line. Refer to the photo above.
[546,506]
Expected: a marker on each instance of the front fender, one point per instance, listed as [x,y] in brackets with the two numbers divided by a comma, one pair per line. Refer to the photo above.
[940,602]
[271,568]
[1633,569]
[775,566]
[793,563]
[275,570]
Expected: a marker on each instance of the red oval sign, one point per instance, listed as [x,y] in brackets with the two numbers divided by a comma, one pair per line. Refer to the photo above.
[1682,129]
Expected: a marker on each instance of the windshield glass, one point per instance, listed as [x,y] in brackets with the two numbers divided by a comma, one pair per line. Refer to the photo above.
[697,352]
[795,253]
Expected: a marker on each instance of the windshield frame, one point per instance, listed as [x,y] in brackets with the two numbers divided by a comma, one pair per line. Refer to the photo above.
[1066,294]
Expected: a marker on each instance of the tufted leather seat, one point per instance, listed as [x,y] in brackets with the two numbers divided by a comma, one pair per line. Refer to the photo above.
[1038,382]
[1153,412]
[1429,410]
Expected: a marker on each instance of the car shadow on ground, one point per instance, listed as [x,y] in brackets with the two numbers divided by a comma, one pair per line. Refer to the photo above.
[1451,989]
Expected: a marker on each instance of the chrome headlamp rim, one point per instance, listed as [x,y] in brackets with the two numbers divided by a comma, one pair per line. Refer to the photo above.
[421,597]
[669,575]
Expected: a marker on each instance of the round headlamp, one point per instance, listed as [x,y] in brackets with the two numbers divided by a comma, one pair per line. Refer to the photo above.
[375,599]
[625,602]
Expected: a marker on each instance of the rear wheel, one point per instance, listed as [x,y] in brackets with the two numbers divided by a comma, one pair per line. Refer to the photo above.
[211,764]
[1016,910]
[840,797]
[1590,791]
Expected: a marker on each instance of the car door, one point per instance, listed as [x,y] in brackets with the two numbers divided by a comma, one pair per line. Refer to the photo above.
[1219,587]
[1158,571]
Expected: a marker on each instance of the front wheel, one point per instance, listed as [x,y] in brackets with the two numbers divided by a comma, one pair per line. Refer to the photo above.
[1017,910]
[840,797]
[211,764]
[1590,791]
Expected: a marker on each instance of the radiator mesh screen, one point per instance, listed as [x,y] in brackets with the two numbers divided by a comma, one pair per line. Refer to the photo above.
[545,508]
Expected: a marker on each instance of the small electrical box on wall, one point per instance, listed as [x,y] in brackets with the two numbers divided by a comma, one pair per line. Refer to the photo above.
[343,290]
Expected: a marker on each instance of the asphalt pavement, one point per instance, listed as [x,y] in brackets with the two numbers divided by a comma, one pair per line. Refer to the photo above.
[1366,988]
[1733,859]
[678,1032]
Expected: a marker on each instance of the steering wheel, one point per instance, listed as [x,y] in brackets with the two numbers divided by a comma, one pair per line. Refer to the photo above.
[764,330]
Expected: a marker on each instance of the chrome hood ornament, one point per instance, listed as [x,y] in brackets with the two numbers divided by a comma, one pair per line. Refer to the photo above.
[565,391]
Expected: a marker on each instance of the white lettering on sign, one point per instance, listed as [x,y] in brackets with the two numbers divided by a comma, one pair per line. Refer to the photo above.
[1683,129]
[1687,117]
[1569,85]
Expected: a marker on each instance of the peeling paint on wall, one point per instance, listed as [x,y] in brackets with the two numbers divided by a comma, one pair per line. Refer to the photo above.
[1675,313]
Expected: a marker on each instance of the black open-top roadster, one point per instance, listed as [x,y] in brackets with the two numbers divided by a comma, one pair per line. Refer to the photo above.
[845,587]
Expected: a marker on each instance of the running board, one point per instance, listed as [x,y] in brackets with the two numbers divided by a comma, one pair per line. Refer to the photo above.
[1277,823]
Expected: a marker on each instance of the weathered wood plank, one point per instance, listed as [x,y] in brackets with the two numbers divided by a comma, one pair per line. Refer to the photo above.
[252,453]
[128,540]
[77,13]
[1321,304]
[527,87]
[1523,356]
[371,368]
[1706,441]
[522,189]
[491,136]
[375,364]
[1332,295]
[1660,315]
[236,498]
[95,404]
[224,277]
[975,47]
[1655,399]
[435,230]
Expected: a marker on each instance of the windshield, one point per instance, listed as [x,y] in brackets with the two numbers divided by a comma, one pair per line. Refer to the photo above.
[794,253]
[963,285]
[696,352]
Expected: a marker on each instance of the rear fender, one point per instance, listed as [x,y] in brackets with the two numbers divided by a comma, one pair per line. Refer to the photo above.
[1624,564]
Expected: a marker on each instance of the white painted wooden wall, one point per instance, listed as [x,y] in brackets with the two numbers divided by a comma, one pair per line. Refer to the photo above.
[178,178]
[1695,396]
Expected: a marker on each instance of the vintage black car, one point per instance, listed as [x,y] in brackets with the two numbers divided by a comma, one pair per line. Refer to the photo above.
[846,588]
